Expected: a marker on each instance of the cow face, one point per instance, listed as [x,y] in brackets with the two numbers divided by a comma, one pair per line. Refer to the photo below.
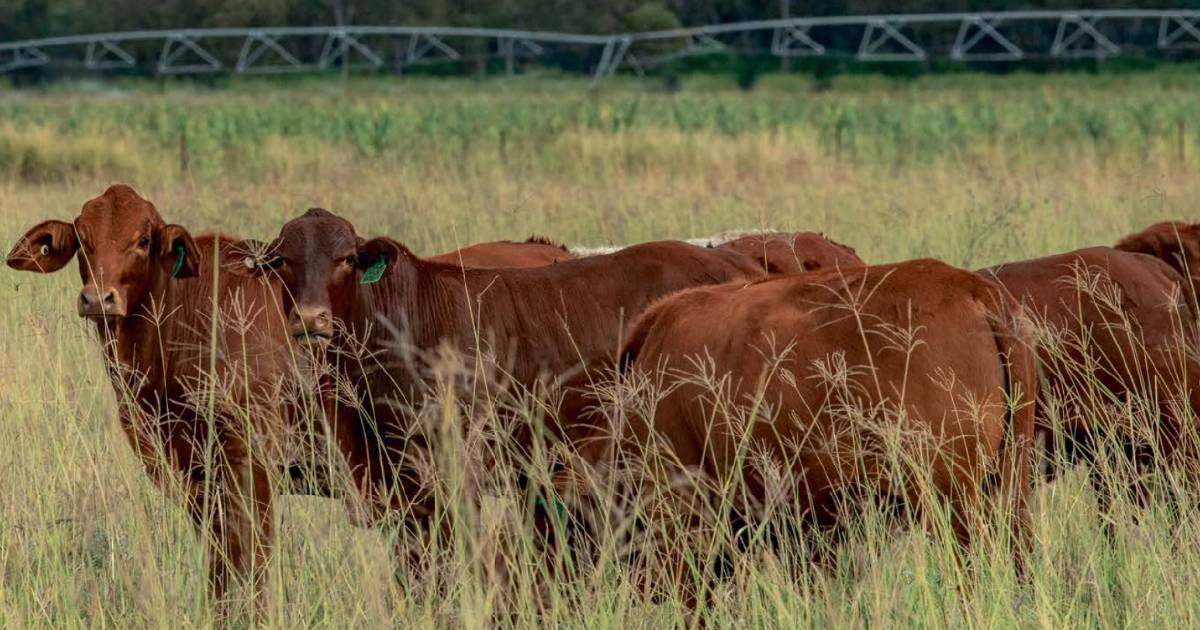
[321,262]
[123,248]
[1175,242]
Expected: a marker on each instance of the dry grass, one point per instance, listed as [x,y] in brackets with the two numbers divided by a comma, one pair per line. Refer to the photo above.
[85,540]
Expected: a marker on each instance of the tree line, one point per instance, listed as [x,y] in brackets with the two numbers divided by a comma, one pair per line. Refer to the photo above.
[23,19]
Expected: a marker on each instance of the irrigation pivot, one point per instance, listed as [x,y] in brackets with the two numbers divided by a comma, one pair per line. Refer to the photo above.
[976,37]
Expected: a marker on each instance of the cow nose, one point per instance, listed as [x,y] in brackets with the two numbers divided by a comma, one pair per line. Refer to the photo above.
[312,324]
[94,302]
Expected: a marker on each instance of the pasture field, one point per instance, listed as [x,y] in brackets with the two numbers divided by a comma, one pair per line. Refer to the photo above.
[973,170]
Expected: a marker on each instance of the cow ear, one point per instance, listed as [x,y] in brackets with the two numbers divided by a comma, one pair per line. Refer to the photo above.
[251,258]
[47,247]
[377,257]
[177,252]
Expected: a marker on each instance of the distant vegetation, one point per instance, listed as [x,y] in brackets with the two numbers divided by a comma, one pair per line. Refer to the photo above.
[746,55]
[884,121]
[21,19]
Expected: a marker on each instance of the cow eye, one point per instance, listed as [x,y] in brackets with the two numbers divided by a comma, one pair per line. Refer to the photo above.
[349,260]
[143,243]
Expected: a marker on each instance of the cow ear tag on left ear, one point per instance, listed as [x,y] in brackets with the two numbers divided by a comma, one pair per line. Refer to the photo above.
[375,271]
[180,254]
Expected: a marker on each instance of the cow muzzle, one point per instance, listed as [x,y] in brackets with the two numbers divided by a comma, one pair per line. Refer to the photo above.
[96,303]
[312,326]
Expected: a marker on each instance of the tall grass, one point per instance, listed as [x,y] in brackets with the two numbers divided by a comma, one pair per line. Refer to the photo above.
[974,171]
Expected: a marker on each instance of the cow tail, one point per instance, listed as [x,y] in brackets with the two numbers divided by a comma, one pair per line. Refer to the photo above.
[1014,343]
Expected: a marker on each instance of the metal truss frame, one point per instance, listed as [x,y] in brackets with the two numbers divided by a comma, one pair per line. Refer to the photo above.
[175,49]
[340,44]
[421,47]
[985,29]
[1073,35]
[27,56]
[1173,29]
[884,38]
[878,34]
[104,54]
[794,41]
[259,44]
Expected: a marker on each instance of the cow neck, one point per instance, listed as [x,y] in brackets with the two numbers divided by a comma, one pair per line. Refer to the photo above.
[428,299]
[135,344]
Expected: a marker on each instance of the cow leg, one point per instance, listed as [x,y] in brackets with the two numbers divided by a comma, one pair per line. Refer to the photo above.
[236,510]
[1086,444]
[693,563]
[1015,485]
[825,544]
[1102,488]
[1185,459]
[556,529]
[676,571]
[966,520]
[1002,497]
[824,526]
[1177,448]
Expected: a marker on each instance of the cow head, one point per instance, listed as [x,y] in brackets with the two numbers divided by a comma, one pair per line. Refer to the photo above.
[123,246]
[1175,242]
[321,262]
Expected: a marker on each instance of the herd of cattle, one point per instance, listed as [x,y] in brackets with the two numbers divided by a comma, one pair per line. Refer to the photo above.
[978,378]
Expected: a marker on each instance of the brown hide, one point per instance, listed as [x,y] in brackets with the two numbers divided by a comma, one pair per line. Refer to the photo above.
[533,252]
[1175,243]
[787,252]
[1115,326]
[764,341]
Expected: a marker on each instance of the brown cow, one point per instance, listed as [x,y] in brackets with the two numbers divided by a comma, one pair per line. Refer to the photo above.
[895,379]
[148,287]
[375,294]
[1115,333]
[786,252]
[1175,243]
[535,251]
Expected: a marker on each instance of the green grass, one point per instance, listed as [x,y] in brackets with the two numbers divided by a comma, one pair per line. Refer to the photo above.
[973,170]
[891,122]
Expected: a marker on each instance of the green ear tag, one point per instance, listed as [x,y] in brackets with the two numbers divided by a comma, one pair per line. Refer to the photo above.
[560,508]
[375,271]
[180,254]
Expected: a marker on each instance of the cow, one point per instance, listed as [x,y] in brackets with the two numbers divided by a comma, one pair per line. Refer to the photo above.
[535,251]
[909,382]
[784,252]
[197,385]
[343,291]
[1175,243]
[1115,329]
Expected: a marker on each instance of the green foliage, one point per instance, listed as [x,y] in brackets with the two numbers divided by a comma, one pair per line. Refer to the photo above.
[651,16]
[884,119]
